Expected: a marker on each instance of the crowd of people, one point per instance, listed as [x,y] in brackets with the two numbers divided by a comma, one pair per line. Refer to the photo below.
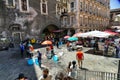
[71,71]
[108,45]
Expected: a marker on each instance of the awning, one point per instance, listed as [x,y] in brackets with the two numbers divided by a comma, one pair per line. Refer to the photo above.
[112,33]
[77,34]
[94,34]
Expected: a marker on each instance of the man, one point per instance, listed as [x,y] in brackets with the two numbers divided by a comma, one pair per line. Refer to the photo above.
[45,75]
[79,57]
[39,58]
[22,48]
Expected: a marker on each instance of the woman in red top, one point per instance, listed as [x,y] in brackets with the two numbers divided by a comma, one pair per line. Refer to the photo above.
[79,57]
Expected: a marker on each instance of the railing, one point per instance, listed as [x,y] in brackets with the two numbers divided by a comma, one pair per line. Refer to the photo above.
[95,75]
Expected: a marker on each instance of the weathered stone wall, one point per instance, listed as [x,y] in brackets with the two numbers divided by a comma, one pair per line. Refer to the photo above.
[34,27]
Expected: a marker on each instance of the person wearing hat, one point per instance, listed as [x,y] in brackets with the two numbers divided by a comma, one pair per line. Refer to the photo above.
[21,77]
[45,75]
[79,57]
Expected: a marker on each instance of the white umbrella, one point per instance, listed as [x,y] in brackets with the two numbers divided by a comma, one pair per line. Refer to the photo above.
[94,34]
[88,34]
[117,31]
[102,34]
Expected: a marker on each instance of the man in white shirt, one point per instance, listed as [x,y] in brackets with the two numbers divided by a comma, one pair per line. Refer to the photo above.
[45,75]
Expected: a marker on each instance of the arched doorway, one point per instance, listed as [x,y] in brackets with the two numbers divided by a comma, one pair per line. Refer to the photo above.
[49,31]
[16,33]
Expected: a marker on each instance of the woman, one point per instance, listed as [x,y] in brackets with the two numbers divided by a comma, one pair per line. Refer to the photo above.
[68,68]
[73,68]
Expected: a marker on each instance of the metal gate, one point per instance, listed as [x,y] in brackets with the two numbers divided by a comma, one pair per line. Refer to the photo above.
[95,75]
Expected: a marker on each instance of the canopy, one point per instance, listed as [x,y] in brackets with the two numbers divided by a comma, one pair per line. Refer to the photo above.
[72,39]
[110,32]
[117,31]
[77,34]
[94,34]
[102,35]
[47,42]
[66,37]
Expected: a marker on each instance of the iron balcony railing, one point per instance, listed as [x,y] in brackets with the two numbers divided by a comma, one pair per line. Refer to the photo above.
[95,75]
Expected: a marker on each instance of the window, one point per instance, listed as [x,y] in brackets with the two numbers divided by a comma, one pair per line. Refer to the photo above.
[44,8]
[64,1]
[58,9]
[64,22]
[24,5]
[80,21]
[72,6]
[80,5]
[10,3]
[72,20]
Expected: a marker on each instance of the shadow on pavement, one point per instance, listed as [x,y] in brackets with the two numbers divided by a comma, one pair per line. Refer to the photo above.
[92,51]
[11,65]
[84,69]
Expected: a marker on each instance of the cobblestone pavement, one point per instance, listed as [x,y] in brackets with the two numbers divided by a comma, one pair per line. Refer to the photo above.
[11,64]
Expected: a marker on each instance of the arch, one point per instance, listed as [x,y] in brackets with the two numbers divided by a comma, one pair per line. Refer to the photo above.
[48,30]
[56,24]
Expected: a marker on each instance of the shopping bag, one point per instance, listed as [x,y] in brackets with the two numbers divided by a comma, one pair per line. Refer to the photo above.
[30,62]
[55,58]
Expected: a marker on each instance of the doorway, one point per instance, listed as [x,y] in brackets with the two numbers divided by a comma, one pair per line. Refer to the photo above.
[17,37]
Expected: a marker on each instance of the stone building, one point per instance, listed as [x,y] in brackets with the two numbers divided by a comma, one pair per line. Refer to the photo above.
[2,19]
[115,18]
[21,19]
[86,15]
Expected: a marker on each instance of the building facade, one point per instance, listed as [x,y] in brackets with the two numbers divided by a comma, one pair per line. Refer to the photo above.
[86,15]
[30,18]
[21,19]
[115,18]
